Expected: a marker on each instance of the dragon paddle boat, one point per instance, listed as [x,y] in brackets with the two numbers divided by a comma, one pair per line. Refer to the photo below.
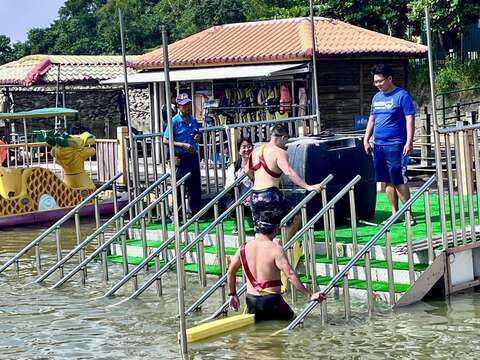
[32,194]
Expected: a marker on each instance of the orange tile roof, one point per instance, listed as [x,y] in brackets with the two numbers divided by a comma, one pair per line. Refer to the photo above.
[277,41]
[35,69]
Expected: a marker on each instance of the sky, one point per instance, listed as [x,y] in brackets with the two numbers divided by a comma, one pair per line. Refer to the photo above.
[19,16]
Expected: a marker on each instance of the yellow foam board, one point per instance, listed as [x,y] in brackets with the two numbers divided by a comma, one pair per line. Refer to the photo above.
[217,327]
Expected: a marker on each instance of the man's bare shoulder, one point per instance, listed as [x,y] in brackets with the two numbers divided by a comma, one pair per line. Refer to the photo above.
[276,248]
[278,151]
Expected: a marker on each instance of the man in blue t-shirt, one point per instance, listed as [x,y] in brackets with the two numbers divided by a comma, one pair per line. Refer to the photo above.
[186,137]
[392,122]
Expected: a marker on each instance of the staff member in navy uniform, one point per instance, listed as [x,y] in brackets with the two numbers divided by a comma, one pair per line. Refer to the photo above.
[186,137]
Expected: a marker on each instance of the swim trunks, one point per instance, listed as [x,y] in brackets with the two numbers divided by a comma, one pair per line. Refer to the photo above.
[269,307]
[269,207]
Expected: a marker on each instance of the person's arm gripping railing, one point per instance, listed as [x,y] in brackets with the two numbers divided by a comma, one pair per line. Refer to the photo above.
[296,237]
[165,244]
[54,227]
[101,229]
[362,252]
[302,206]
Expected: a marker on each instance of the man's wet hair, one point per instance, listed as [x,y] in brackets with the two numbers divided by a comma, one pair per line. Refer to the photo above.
[244,139]
[279,130]
[381,69]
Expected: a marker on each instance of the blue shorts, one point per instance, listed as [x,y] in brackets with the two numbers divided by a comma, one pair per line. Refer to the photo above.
[387,160]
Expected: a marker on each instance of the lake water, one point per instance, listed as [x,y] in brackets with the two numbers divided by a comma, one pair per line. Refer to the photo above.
[74,323]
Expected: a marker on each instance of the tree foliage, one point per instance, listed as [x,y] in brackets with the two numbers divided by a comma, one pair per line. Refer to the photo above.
[6,50]
[448,18]
[91,26]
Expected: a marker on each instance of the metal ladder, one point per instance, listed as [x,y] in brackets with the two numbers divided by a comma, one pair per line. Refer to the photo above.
[301,206]
[104,244]
[365,252]
[327,210]
[73,213]
[197,241]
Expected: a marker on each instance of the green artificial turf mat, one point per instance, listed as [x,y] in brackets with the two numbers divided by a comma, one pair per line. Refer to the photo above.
[321,280]
[212,249]
[377,264]
[357,284]
[228,226]
[209,269]
[364,232]
[132,260]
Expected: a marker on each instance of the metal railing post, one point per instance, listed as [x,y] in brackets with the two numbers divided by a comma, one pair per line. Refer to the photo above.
[368,278]
[220,248]
[200,257]
[451,190]
[408,229]
[59,248]
[390,273]
[428,223]
[458,166]
[346,298]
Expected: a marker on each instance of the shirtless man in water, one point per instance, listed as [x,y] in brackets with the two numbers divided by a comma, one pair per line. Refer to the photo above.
[263,260]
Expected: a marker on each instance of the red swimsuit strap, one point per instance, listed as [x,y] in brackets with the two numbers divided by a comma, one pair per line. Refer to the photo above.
[257,285]
[262,163]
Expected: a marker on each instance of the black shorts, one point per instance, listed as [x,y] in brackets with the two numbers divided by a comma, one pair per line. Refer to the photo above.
[269,307]
[269,207]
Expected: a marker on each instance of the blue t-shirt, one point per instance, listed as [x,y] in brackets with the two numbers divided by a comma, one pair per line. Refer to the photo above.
[389,111]
[183,132]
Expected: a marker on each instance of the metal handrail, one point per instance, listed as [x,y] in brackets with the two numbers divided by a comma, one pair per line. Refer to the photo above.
[256,123]
[456,91]
[190,245]
[304,201]
[164,244]
[102,228]
[297,236]
[60,222]
[119,233]
[146,136]
[283,222]
[458,128]
[339,276]
[275,121]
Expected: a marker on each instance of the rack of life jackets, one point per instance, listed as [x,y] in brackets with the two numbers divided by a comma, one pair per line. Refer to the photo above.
[252,103]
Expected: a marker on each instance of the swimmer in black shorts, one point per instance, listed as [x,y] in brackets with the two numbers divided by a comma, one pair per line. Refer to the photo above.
[264,259]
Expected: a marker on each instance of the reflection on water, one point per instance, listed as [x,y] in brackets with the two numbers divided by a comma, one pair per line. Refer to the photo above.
[75,322]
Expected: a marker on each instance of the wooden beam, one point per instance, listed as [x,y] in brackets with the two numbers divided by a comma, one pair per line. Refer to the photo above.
[424,283]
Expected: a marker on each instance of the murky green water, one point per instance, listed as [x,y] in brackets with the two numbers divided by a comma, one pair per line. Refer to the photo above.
[74,323]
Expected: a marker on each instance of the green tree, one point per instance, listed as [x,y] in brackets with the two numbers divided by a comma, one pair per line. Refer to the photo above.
[449,18]
[384,16]
[6,50]
[207,13]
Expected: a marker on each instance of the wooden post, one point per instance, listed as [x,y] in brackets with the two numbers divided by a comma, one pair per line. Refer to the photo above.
[233,144]
[381,187]
[425,131]
[465,155]
[122,133]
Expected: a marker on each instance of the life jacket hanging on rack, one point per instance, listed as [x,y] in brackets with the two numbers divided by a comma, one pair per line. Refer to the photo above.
[285,99]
